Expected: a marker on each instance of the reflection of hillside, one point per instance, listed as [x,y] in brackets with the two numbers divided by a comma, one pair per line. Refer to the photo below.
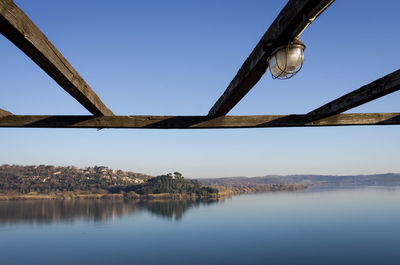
[173,209]
[51,211]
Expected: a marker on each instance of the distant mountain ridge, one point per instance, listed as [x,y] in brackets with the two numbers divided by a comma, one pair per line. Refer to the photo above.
[312,181]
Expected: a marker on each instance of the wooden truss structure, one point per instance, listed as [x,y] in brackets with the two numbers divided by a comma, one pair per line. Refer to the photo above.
[291,21]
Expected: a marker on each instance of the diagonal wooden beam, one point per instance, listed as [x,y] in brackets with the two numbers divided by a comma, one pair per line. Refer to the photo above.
[198,122]
[291,21]
[4,113]
[381,87]
[20,30]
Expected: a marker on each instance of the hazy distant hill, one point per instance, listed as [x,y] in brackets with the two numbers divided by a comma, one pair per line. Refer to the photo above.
[312,181]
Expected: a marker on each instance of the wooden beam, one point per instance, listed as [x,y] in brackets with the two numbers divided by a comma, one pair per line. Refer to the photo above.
[381,87]
[20,30]
[291,21]
[198,122]
[4,113]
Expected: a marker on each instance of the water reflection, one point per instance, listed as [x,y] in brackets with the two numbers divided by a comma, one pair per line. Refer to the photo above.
[52,211]
[173,209]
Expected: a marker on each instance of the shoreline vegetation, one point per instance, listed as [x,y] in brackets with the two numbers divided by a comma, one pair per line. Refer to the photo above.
[223,192]
[65,183]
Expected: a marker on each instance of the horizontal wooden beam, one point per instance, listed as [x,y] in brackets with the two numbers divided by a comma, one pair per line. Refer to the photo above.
[381,87]
[20,30]
[198,122]
[294,17]
[4,113]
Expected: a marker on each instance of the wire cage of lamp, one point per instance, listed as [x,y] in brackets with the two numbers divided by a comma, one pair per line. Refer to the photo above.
[287,60]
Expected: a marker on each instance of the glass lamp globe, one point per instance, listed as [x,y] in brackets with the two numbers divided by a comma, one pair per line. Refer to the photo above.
[287,60]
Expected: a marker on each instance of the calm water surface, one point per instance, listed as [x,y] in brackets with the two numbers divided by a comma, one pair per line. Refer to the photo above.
[358,226]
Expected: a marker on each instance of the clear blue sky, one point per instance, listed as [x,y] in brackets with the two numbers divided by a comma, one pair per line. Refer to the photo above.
[177,58]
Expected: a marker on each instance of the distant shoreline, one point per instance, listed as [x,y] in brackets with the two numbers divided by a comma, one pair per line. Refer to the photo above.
[47,182]
[223,192]
[162,196]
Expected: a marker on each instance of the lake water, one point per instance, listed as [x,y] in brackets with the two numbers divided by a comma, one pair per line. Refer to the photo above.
[353,226]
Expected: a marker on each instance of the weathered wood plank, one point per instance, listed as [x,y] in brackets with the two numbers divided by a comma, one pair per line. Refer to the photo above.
[5,113]
[381,87]
[290,22]
[198,122]
[20,30]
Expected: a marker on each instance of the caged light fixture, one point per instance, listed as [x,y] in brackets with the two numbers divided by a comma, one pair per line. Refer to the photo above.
[287,60]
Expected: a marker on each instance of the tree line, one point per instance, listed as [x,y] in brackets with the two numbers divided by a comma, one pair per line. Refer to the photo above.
[44,179]
[169,183]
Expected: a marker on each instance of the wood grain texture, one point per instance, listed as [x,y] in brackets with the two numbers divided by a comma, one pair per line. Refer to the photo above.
[288,24]
[4,113]
[198,122]
[20,30]
[381,87]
